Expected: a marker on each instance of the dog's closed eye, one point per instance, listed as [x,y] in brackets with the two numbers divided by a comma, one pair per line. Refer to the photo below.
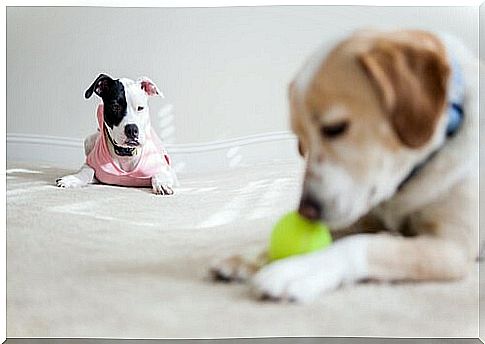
[334,130]
[300,149]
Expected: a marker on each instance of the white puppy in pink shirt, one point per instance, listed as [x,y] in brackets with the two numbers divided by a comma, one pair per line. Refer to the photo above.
[125,151]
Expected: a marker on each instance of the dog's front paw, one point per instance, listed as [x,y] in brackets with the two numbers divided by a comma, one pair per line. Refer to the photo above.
[299,279]
[162,189]
[303,278]
[69,182]
[232,269]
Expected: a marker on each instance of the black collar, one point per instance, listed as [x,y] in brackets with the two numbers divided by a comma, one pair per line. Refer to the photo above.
[120,151]
[456,99]
[455,120]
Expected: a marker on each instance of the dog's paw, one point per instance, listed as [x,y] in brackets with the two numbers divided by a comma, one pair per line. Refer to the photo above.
[298,279]
[161,189]
[232,269]
[303,278]
[69,182]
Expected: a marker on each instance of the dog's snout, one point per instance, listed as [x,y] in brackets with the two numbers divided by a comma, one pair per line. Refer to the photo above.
[310,208]
[131,131]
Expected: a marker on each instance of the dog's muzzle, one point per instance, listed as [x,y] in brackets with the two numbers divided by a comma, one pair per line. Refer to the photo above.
[122,151]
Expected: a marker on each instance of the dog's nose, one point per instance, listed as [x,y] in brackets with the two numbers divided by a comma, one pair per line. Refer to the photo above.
[131,131]
[310,208]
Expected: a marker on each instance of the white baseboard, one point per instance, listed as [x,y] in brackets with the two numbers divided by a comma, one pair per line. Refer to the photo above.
[187,158]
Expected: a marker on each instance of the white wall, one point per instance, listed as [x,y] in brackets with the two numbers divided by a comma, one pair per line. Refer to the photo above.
[224,71]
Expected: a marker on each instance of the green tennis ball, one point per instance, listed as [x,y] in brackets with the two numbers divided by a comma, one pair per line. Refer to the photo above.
[294,235]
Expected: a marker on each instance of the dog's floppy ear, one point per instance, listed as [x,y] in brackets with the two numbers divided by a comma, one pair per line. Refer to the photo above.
[411,80]
[100,86]
[150,88]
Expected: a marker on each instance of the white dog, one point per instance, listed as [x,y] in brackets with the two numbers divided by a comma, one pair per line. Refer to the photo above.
[125,150]
[388,124]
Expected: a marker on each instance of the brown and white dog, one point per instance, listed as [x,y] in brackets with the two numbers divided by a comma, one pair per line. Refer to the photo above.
[388,125]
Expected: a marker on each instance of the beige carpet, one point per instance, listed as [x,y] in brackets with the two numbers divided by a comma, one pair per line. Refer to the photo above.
[120,262]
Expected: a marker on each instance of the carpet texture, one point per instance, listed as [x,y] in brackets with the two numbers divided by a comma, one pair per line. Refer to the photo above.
[106,261]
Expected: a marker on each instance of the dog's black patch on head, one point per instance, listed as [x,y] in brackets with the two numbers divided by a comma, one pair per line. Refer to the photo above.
[113,94]
[114,104]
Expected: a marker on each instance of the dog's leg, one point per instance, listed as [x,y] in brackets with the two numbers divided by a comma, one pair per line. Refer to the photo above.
[89,142]
[163,182]
[302,278]
[420,258]
[83,177]
[445,249]
[242,267]
[381,257]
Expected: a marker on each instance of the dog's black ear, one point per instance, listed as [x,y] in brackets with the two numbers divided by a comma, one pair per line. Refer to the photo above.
[100,86]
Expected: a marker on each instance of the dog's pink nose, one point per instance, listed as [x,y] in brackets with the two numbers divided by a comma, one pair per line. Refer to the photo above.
[310,208]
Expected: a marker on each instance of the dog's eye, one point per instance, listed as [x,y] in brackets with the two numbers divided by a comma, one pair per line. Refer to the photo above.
[334,130]
[140,108]
[116,107]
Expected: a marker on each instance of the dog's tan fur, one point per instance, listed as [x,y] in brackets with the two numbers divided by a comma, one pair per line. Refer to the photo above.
[391,88]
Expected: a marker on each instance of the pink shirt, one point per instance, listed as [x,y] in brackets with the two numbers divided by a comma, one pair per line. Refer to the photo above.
[153,158]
